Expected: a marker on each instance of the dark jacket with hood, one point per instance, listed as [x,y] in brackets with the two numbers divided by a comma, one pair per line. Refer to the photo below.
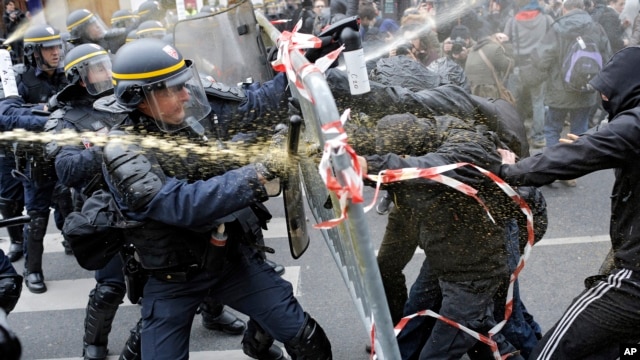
[550,53]
[439,126]
[615,145]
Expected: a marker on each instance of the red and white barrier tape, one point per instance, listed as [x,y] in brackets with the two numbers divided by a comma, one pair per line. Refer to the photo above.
[351,177]
[352,189]
[290,41]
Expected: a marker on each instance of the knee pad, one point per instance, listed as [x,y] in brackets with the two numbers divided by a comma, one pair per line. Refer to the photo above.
[106,296]
[310,343]
[10,208]
[38,225]
[10,289]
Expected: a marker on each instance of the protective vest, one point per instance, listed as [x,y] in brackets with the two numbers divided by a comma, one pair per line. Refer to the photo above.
[39,91]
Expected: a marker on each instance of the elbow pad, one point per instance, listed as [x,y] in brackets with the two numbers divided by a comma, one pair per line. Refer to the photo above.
[137,178]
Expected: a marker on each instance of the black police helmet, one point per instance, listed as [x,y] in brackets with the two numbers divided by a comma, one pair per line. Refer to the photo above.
[123,18]
[132,77]
[151,29]
[41,35]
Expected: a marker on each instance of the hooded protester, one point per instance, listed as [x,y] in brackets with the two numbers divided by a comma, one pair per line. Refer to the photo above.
[606,314]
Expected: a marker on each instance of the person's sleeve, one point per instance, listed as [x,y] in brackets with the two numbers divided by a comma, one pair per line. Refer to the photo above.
[76,165]
[268,98]
[610,147]
[199,204]
[545,55]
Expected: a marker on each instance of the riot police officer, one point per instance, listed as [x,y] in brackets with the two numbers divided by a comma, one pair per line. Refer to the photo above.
[42,78]
[88,70]
[150,10]
[124,18]
[87,27]
[151,29]
[182,201]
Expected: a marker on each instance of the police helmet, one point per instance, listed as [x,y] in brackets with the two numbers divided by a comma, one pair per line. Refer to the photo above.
[132,35]
[164,86]
[44,36]
[91,64]
[150,10]
[84,26]
[151,29]
[124,18]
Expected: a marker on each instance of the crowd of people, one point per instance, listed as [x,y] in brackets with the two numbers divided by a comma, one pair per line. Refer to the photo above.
[450,83]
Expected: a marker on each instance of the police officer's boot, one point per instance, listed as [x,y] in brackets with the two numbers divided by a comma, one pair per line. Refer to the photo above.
[216,317]
[33,277]
[257,344]
[132,349]
[101,309]
[9,209]
[310,343]
[10,288]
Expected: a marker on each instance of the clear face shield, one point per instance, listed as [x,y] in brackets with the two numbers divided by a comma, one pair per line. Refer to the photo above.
[49,56]
[95,73]
[177,102]
[93,29]
[154,32]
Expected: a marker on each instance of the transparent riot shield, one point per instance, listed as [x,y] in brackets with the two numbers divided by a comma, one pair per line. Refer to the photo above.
[349,242]
[226,45]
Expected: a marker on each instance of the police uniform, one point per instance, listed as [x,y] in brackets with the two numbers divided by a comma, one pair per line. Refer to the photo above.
[36,86]
[181,201]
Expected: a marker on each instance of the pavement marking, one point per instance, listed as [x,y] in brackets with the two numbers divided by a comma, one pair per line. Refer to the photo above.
[196,355]
[53,241]
[574,240]
[73,294]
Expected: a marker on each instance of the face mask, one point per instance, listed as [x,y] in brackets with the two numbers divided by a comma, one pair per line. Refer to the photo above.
[606,105]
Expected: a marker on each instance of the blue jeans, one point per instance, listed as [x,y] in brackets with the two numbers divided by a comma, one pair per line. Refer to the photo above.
[521,330]
[554,122]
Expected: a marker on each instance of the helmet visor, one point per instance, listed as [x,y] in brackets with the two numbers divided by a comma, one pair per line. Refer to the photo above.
[178,101]
[95,72]
[91,29]
[49,57]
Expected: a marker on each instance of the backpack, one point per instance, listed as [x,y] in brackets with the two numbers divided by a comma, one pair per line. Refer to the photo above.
[581,63]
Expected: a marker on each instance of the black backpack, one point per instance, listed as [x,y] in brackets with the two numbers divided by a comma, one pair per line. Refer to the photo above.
[95,233]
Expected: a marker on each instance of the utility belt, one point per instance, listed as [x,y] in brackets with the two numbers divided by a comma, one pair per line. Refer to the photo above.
[178,274]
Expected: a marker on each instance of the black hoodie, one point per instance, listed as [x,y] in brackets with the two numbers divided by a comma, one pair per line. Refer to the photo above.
[615,145]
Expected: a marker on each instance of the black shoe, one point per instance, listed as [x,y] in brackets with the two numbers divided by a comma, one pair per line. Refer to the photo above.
[35,282]
[273,353]
[226,322]
[95,352]
[15,252]
[279,269]
[67,247]
[384,205]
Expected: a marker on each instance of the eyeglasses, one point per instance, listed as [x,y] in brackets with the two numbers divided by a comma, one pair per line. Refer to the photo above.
[319,6]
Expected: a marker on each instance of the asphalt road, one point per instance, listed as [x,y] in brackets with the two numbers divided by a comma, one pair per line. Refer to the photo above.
[50,325]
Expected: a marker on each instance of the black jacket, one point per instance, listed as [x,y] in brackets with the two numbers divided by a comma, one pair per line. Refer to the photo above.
[458,236]
[615,145]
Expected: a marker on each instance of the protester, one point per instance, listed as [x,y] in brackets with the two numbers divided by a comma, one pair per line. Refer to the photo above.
[605,314]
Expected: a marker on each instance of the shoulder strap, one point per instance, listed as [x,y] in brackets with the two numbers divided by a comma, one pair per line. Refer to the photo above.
[490,66]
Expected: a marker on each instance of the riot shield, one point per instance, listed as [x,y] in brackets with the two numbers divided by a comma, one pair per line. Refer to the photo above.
[226,45]
[349,242]
[292,194]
